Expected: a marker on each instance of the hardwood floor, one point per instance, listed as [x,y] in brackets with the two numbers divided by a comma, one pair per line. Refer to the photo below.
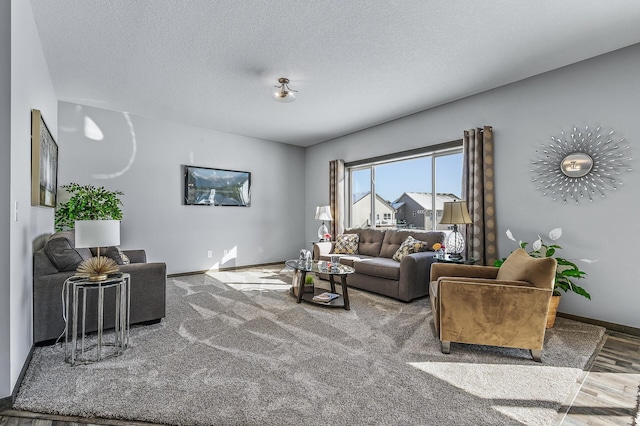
[607,395]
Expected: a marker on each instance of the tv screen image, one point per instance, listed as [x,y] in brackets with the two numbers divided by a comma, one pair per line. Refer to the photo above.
[204,186]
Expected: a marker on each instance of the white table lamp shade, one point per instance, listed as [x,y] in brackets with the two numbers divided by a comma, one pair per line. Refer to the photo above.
[323,213]
[97,233]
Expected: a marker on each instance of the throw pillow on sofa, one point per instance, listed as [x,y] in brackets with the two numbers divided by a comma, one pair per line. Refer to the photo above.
[409,246]
[112,252]
[346,244]
[62,252]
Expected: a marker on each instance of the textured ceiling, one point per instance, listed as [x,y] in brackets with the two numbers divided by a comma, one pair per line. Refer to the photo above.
[213,64]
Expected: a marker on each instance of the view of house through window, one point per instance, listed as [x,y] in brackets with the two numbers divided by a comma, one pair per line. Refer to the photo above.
[409,192]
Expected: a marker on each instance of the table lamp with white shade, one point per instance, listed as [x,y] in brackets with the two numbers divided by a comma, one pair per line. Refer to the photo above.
[97,233]
[323,213]
[455,213]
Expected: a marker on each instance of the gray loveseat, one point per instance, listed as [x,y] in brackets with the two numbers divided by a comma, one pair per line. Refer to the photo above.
[376,271]
[57,261]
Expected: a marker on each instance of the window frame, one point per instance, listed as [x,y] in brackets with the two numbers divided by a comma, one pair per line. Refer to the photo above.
[434,151]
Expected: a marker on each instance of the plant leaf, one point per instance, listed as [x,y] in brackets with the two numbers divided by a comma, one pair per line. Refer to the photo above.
[510,235]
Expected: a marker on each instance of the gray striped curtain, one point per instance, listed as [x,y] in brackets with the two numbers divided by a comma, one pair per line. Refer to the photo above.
[336,196]
[478,191]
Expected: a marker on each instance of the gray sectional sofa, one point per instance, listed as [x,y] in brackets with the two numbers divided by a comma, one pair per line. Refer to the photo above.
[57,261]
[376,271]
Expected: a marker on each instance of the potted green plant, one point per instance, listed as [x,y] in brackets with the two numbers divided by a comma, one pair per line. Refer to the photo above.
[87,202]
[566,272]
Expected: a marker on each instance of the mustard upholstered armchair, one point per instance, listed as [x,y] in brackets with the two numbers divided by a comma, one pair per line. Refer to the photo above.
[483,305]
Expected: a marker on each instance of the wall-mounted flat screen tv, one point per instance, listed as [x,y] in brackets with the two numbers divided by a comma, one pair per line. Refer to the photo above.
[204,186]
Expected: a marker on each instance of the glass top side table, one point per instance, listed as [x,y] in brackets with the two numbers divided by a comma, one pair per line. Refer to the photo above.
[449,259]
[75,291]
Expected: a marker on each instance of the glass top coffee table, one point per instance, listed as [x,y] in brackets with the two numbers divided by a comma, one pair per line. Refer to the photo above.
[342,301]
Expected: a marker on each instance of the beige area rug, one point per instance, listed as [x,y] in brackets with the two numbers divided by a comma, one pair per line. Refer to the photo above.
[236,349]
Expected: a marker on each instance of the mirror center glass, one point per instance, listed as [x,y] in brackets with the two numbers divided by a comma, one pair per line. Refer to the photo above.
[576,165]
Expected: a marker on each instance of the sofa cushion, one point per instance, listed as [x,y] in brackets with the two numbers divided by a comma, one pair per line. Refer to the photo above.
[370,240]
[379,267]
[62,252]
[393,239]
[346,244]
[409,246]
[519,266]
[345,259]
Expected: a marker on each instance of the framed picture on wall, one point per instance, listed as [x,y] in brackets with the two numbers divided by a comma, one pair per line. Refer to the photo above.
[44,163]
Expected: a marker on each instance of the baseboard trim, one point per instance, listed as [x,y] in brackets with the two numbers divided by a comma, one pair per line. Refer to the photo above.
[23,372]
[7,403]
[230,268]
[608,325]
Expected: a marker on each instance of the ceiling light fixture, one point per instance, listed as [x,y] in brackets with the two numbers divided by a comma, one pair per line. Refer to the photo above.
[283,92]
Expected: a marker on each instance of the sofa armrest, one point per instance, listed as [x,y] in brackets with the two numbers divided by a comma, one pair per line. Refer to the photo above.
[414,275]
[322,248]
[136,256]
[456,270]
[486,281]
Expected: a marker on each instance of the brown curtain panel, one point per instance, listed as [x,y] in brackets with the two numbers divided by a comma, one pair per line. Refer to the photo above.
[336,197]
[478,191]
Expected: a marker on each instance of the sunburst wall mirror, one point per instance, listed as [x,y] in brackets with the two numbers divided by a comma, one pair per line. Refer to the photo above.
[581,165]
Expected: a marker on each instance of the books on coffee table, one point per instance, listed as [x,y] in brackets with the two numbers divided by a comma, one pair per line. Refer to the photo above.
[325,297]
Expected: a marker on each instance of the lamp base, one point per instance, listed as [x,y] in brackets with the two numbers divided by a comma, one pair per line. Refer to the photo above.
[455,244]
[96,278]
[322,231]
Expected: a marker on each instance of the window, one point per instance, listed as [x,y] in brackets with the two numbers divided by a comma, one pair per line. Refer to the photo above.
[407,186]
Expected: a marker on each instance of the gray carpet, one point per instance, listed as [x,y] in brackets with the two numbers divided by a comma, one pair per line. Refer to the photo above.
[235,349]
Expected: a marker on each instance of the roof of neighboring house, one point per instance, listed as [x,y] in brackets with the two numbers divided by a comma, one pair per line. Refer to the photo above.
[359,197]
[424,199]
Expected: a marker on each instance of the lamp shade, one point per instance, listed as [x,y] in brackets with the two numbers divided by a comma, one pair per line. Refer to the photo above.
[97,233]
[323,213]
[455,213]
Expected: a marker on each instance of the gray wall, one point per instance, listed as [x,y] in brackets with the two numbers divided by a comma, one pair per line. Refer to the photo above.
[600,91]
[144,157]
[5,192]
[30,88]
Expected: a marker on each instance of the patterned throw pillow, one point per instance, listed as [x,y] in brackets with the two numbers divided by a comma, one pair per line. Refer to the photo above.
[408,246]
[124,257]
[112,252]
[347,244]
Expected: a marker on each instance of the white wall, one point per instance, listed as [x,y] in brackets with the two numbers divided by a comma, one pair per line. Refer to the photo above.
[5,192]
[601,91]
[30,88]
[143,158]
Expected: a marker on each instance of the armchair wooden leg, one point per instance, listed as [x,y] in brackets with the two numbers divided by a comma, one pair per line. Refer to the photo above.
[445,347]
[536,355]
